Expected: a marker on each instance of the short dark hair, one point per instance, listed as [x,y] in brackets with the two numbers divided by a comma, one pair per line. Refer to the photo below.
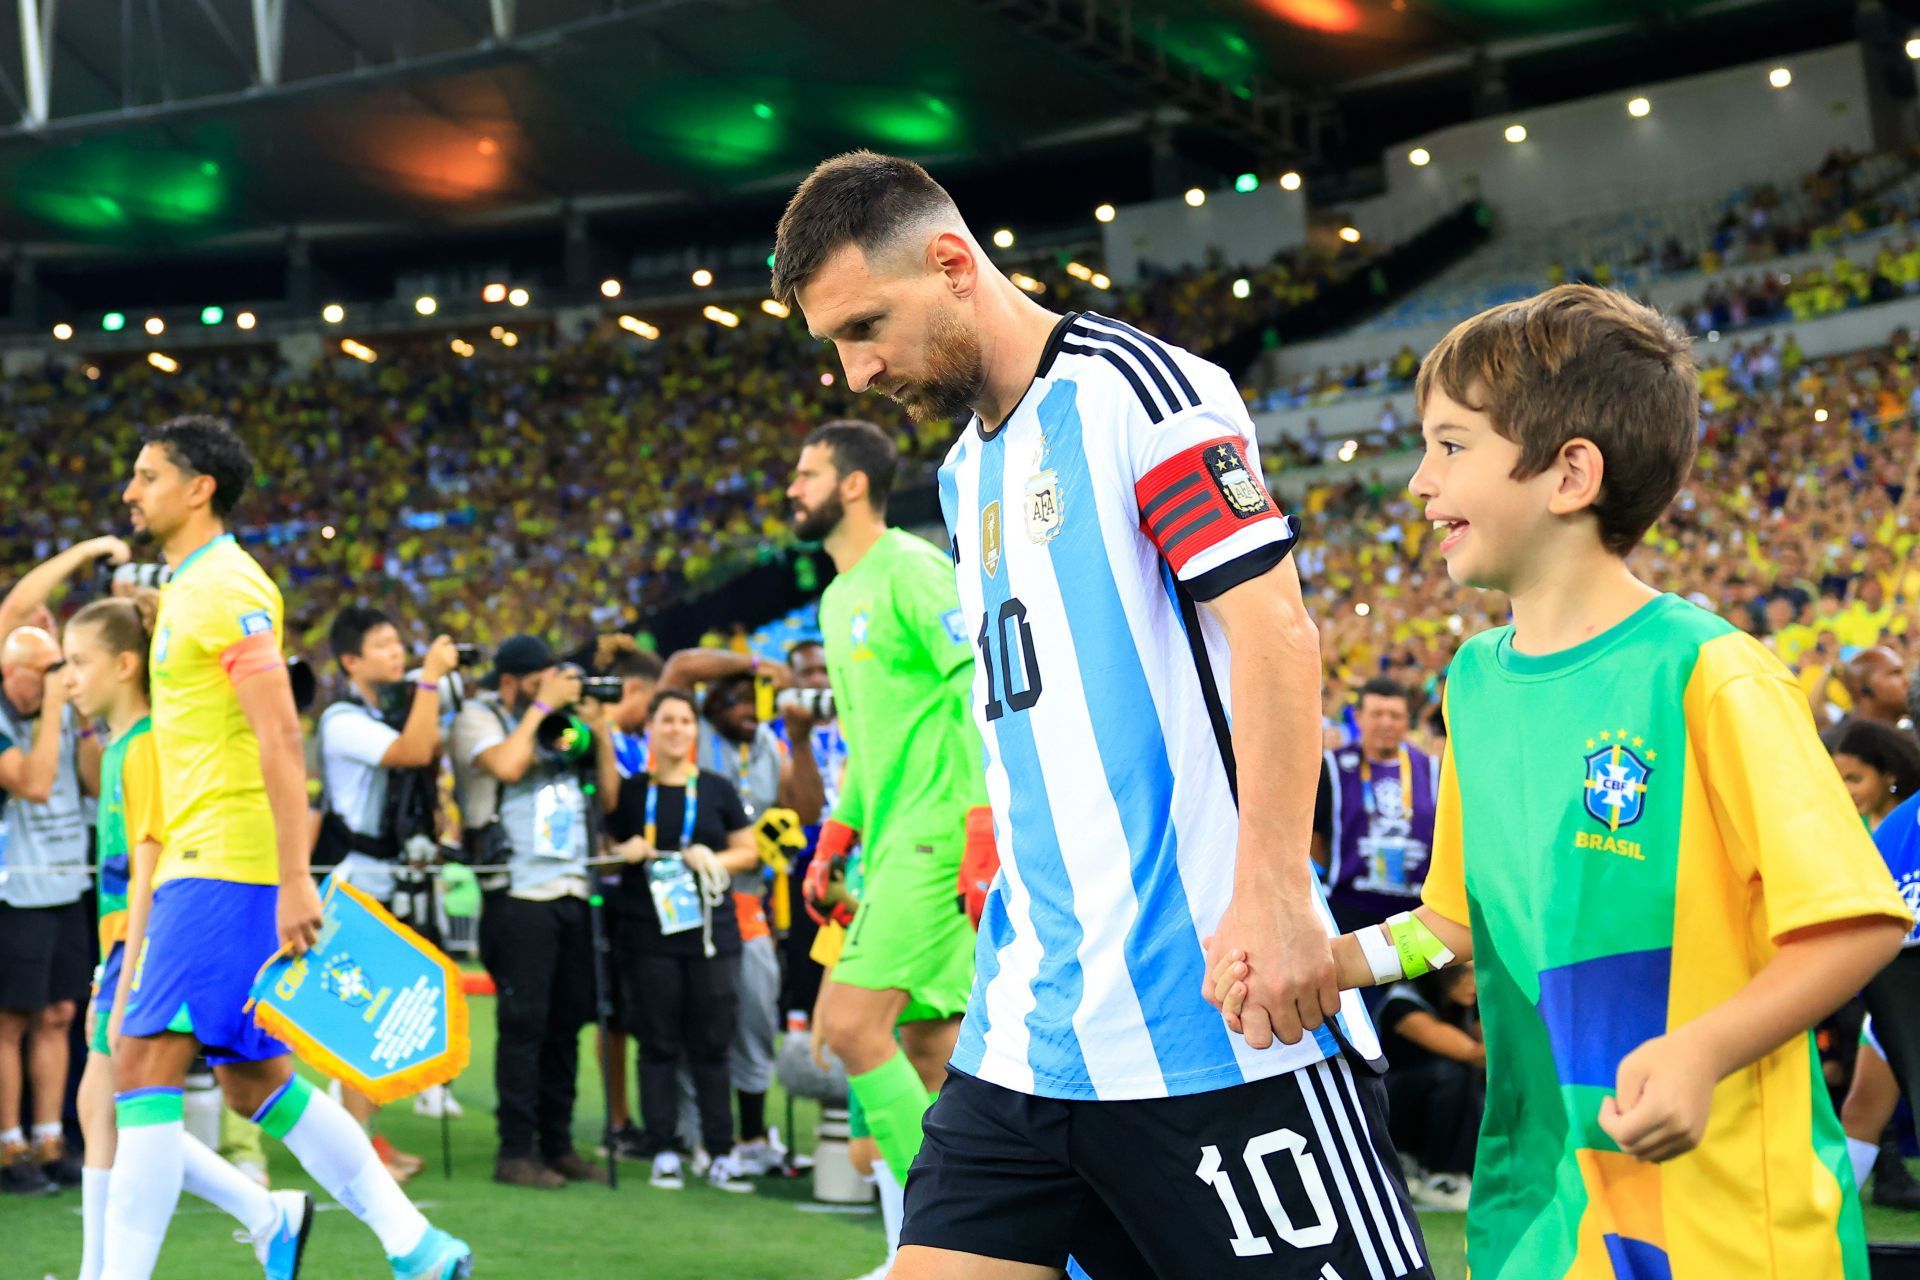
[727,691]
[1881,747]
[347,635]
[1383,687]
[663,696]
[864,447]
[207,446]
[1581,361]
[798,645]
[638,664]
[860,198]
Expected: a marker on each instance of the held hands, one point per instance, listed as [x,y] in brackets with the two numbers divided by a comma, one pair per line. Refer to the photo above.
[443,657]
[1663,1093]
[298,915]
[1285,965]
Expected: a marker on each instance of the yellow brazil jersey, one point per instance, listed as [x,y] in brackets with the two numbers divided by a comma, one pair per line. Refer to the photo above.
[218,609]
[1631,827]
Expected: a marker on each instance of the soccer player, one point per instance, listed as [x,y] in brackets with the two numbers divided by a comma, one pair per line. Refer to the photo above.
[901,666]
[1658,877]
[235,851]
[106,674]
[1124,581]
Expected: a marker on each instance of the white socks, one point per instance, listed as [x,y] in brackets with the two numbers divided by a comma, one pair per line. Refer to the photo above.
[224,1187]
[893,1203]
[1863,1154]
[93,1216]
[336,1152]
[141,1197]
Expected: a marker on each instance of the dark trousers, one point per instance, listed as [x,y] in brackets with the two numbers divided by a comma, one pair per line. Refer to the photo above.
[1893,998]
[683,1008]
[541,957]
[1433,1113]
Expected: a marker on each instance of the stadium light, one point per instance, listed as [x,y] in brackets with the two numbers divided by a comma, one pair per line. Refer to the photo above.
[1419,157]
[1289,181]
[1079,271]
[1913,48]
[1247,182]
[1003,238]
[1779,77]
[1100,281]
[1350,234]
[358,350]
[634,325]
[1349,449]
[246,320]
[1639,108]
[1819,415]
[462,348]
[1104,213]
[155,326]
[164,363]
[426,304]
[609,288]
[1516,133]
[721,316]
[212,315]
[333,313]
[509,339]
[1243,288]
[702,278]
[519,297]
[826,379]
[1195,197]
[775,308]
[113,321]
[1022,280]
[93,373]
[495,292]
[62,331]
[328,532]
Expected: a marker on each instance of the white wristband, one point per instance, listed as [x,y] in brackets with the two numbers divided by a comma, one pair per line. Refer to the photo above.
[1382,956]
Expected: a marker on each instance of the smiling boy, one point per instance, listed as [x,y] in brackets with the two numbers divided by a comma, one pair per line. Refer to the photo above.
[1639,843]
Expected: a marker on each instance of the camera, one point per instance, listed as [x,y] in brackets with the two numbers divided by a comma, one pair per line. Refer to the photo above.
[471,655]
[603,688]
[817,703]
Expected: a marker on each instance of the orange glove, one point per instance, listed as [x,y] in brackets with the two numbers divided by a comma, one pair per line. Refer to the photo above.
[979,863]
[826,900]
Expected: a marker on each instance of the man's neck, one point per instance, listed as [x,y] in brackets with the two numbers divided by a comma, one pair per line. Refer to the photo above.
[1381,755]
[189,538]
[368,690]
[1575,598]
[1013,335]
[853,537]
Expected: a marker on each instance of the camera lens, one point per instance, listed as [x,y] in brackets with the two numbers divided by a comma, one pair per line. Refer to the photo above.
[470,654]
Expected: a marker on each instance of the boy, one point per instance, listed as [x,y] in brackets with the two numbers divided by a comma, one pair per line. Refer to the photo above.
[1658,877]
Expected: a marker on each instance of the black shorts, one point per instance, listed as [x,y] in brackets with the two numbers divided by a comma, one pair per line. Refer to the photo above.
[47,955]
[1290,1178]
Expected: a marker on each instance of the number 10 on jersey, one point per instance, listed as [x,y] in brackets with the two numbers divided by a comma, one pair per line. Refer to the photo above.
[1007,631]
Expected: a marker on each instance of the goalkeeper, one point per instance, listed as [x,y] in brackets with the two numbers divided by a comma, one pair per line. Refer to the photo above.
[901,669]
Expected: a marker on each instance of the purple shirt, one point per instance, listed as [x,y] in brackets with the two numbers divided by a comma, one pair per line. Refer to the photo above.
[1379,831]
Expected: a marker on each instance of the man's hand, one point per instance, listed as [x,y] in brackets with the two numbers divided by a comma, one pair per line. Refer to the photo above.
[593,714]
[559,690]
[1663,1094]
[1292,984]
[53,696]
[443,657]
[298,916]
[116,550]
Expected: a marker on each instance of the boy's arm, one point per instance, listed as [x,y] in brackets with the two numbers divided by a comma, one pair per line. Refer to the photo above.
[1228,970]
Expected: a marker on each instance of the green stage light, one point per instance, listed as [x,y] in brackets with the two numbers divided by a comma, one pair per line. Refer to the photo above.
[114,321]
[212,315]
[1247,182]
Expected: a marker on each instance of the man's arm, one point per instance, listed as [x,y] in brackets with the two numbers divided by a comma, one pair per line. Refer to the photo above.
[1276,702]
[266,699]
[42,764]
[691,667]
[419,742]
[511,757]
[41,581]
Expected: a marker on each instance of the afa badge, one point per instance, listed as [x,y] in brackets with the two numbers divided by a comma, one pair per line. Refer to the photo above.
[1244,494]
[1617,778]
[1043,507]
[990,538]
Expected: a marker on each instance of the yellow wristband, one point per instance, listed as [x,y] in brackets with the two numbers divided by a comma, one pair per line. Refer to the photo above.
[1420,948]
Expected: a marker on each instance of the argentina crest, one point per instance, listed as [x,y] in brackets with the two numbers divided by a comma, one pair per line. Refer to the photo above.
[1228,467]
[1617,778]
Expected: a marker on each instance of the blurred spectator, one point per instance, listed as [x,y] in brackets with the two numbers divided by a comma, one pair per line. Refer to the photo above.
[1436,1082]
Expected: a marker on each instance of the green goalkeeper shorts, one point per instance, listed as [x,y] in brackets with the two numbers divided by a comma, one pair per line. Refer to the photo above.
[910,933]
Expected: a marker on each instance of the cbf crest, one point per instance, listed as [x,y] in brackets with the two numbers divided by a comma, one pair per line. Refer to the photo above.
[860,630]
[1619,768]
[990,538]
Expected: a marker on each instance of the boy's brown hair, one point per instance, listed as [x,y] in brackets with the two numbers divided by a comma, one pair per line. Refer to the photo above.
[1580,361]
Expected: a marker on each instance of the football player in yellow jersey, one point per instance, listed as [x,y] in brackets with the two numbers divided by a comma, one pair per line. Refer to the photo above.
[235,858]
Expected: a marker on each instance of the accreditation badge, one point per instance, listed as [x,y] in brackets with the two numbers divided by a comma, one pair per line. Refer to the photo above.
[676,894]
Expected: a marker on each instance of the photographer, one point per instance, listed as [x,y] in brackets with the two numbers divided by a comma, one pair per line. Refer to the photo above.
[379,792]
[808,720]
[48,761]
[531,747]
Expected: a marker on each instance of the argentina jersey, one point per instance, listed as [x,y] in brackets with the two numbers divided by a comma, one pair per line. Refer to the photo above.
[1123,491]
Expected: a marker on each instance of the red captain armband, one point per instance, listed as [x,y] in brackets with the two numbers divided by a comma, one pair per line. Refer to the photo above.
[979,863]
[1199,498]
[250,655]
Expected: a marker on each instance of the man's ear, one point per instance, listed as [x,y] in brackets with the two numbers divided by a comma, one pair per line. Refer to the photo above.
[1581,470]
[953,258]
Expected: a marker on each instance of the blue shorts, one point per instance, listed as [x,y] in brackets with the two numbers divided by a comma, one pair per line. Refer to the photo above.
[106,981]
[206,941]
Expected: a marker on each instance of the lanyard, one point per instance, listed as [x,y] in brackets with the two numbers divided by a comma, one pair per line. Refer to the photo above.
[1406,786]
[686,820]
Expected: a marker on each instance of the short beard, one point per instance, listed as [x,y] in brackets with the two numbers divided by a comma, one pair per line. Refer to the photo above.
[956,375]
[818,523]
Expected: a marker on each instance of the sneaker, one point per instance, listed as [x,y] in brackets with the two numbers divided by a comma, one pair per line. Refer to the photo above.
[574,1169]
[1448,1191]
[666,1172]
[59,1164]
[625,1143]
[762,1156]
[281,1245]
[700,1161]
[21,1174]
[437,1102]
[725,1174]
[438,1256]
[525,1171]
[1893,1186]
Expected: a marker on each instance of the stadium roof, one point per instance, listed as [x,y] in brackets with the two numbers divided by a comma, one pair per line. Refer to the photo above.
[160,126]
